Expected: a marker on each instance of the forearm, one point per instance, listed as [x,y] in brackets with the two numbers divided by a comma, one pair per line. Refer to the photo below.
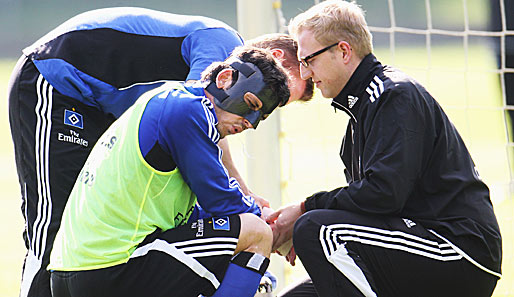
[364,196]
[230,166]
[233,172]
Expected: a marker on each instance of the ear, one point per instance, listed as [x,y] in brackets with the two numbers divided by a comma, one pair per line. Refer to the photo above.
[278,53]
[253,102]
[224,78]
[346,51]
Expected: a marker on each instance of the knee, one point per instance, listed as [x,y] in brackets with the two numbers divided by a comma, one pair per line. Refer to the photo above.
[306,229]
[305,225]
[255,235]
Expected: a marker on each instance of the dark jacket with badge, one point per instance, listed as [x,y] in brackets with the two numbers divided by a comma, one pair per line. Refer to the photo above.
[405,158]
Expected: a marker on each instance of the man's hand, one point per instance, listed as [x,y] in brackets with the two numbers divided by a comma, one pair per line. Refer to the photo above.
[286,249]
[265,212]
[259,200]
[283,220]
[291,256]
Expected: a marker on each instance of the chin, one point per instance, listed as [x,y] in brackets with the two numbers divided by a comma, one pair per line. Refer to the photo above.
[327,94]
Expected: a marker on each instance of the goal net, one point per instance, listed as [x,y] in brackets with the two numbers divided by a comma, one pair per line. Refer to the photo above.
[459,50]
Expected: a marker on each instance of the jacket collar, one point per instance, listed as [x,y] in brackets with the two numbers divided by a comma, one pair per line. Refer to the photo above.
[349,98]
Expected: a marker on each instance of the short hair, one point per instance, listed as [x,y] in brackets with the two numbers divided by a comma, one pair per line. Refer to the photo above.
[275,76]
[290,48]
[278,41]
[336,20]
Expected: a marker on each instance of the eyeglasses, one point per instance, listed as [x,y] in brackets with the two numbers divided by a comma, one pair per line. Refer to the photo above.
[305,60]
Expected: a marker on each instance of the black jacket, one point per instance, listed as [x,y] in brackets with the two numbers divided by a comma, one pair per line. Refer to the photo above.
[405,158]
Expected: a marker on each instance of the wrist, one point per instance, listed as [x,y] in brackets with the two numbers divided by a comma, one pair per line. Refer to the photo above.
[302,207]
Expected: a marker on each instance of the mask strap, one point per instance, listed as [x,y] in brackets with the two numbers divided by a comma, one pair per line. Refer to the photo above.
[219,94]
[243,68]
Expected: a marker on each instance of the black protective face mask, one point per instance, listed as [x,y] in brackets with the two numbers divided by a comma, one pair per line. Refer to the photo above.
[249,79]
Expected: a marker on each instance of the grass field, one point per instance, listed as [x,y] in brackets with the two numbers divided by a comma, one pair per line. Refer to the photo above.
[310,139]
[12,249]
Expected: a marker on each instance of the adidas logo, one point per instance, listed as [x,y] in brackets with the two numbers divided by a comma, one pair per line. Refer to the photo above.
[352,100]
[375,89]
[409,223]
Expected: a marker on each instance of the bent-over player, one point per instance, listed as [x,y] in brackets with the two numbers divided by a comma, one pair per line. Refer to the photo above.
[153,211]
[71,84]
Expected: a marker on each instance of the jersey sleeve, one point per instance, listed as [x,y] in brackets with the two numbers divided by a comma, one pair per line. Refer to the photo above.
[188,132]
[198,213]
[391,161]
[203,47]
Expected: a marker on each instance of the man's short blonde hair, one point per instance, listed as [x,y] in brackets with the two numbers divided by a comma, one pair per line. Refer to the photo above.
[335,20]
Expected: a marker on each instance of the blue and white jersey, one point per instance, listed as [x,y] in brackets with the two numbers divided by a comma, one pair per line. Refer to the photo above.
[178,130]
[107,58]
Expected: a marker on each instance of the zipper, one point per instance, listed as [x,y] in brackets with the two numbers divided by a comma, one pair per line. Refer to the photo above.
[345,109]
[353,122]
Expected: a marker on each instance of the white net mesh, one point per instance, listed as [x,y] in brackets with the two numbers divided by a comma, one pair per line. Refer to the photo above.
[454,50]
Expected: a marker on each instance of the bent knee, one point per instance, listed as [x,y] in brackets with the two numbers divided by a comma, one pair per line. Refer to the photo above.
[255,235]
[306,224]
[255,226]
[307,228]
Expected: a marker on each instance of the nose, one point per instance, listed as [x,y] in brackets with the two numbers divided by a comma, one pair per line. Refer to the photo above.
[305,72]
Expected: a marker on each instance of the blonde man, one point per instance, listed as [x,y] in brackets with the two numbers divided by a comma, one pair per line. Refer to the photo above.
[415,218]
